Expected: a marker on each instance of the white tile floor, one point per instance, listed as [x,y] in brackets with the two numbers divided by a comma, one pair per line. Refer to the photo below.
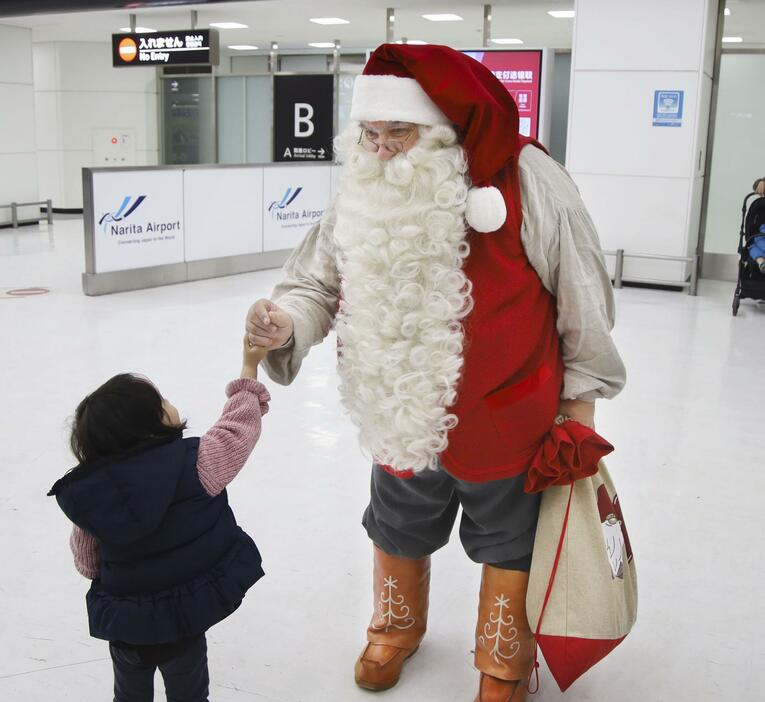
[689,465]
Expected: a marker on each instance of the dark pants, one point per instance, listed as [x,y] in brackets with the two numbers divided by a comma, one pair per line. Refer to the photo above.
[185,675]
[414,517]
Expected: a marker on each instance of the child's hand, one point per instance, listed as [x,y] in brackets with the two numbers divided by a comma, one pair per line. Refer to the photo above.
[251,357]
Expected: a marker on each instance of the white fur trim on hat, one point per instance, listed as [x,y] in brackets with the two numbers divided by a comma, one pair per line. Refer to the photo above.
[393,99]
[486,210]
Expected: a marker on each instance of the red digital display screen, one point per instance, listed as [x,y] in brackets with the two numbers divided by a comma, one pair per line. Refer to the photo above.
[521,73]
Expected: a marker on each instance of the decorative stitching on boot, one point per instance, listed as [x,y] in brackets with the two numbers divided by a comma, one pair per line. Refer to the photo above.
[389,600]
[497,637]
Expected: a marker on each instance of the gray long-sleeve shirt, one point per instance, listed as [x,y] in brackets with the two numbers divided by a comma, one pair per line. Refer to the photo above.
[562,245]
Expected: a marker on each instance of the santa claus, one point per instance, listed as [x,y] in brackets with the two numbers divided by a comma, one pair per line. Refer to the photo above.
[472,307]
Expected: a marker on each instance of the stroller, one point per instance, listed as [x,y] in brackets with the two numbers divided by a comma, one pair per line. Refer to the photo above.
[751,281]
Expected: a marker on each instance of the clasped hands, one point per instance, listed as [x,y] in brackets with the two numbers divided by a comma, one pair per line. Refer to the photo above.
[268,326]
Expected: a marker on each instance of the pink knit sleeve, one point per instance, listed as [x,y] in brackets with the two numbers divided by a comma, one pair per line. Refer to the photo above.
[87,558]
[224,449]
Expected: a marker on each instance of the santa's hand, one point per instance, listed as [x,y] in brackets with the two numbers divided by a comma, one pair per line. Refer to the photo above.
[580,411]
[267,325]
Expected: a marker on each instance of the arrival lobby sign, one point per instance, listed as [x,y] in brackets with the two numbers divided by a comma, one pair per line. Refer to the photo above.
[189,47]
[303,117]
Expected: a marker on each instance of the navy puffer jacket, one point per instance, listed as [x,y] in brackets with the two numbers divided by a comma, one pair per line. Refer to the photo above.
[173,559]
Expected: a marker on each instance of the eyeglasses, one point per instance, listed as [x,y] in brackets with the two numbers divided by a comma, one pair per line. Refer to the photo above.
[393,139]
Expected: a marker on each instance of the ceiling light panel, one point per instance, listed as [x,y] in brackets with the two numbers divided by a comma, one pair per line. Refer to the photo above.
[243,47]
[322,44]
[329,20]
[228,25]
[561,14]
[138,30]
[732,40]
[507,40]
[443,18]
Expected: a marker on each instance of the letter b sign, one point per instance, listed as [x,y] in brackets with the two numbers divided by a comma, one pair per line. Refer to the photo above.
[304,126]
[303,117]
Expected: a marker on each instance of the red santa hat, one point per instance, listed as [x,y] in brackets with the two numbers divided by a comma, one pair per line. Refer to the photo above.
[605,504]
[432,85]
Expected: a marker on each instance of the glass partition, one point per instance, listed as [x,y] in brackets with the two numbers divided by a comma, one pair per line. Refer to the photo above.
[229,96]
[259,110]
[244,109]
[188,117]
[738,155]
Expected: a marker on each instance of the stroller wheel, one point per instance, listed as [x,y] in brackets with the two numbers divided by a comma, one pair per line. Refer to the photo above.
[736,301]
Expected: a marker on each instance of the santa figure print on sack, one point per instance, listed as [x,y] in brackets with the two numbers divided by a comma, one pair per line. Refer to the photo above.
[614,532]
[463,275]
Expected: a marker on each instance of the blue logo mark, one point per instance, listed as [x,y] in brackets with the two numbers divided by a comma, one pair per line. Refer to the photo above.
[124,211]
[286,201]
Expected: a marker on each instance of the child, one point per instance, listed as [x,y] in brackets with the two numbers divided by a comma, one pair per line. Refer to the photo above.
[153,528]
[757,249]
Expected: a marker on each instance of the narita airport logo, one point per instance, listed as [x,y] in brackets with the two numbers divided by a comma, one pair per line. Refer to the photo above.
[278,208]
[288,199]
[113,223]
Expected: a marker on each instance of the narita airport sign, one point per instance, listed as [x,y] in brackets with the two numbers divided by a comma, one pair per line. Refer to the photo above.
[177,48]
[156,228]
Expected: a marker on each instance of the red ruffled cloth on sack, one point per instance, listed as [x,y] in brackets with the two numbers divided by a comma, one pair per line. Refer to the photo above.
[569,452]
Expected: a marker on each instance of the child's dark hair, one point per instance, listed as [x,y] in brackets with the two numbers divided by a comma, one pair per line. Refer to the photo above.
[122,416]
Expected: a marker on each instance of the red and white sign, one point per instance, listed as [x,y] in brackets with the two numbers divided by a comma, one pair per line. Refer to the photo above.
[520,72]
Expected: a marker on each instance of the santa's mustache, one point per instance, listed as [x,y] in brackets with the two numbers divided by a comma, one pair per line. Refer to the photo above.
[436,152]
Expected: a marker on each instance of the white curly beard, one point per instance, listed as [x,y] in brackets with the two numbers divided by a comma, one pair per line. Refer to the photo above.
[400,238]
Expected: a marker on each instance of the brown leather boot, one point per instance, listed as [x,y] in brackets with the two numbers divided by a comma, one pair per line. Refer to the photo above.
[504,644]
[398,624]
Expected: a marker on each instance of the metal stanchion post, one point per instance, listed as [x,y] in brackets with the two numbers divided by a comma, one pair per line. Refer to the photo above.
[14,215]
[49,208]
[619,268]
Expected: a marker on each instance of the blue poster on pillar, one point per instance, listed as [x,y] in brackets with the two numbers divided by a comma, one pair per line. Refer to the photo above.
[668,108]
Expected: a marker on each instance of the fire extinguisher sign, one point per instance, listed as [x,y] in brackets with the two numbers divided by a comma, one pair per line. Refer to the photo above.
[303,117]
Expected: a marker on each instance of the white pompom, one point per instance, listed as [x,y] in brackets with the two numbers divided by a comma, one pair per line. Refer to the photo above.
[485,211]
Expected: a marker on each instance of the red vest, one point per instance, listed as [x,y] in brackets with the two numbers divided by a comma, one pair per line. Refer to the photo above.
[509,394]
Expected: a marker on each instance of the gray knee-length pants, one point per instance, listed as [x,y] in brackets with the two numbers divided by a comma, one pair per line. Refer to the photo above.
[414,517]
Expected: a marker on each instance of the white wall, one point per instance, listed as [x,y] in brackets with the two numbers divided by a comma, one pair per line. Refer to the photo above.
[305,63]
[249,64]
[18,163]
[77,91]
[642,183]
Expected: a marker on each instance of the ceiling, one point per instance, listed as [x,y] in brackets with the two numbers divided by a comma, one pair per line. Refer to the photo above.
[287,22]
